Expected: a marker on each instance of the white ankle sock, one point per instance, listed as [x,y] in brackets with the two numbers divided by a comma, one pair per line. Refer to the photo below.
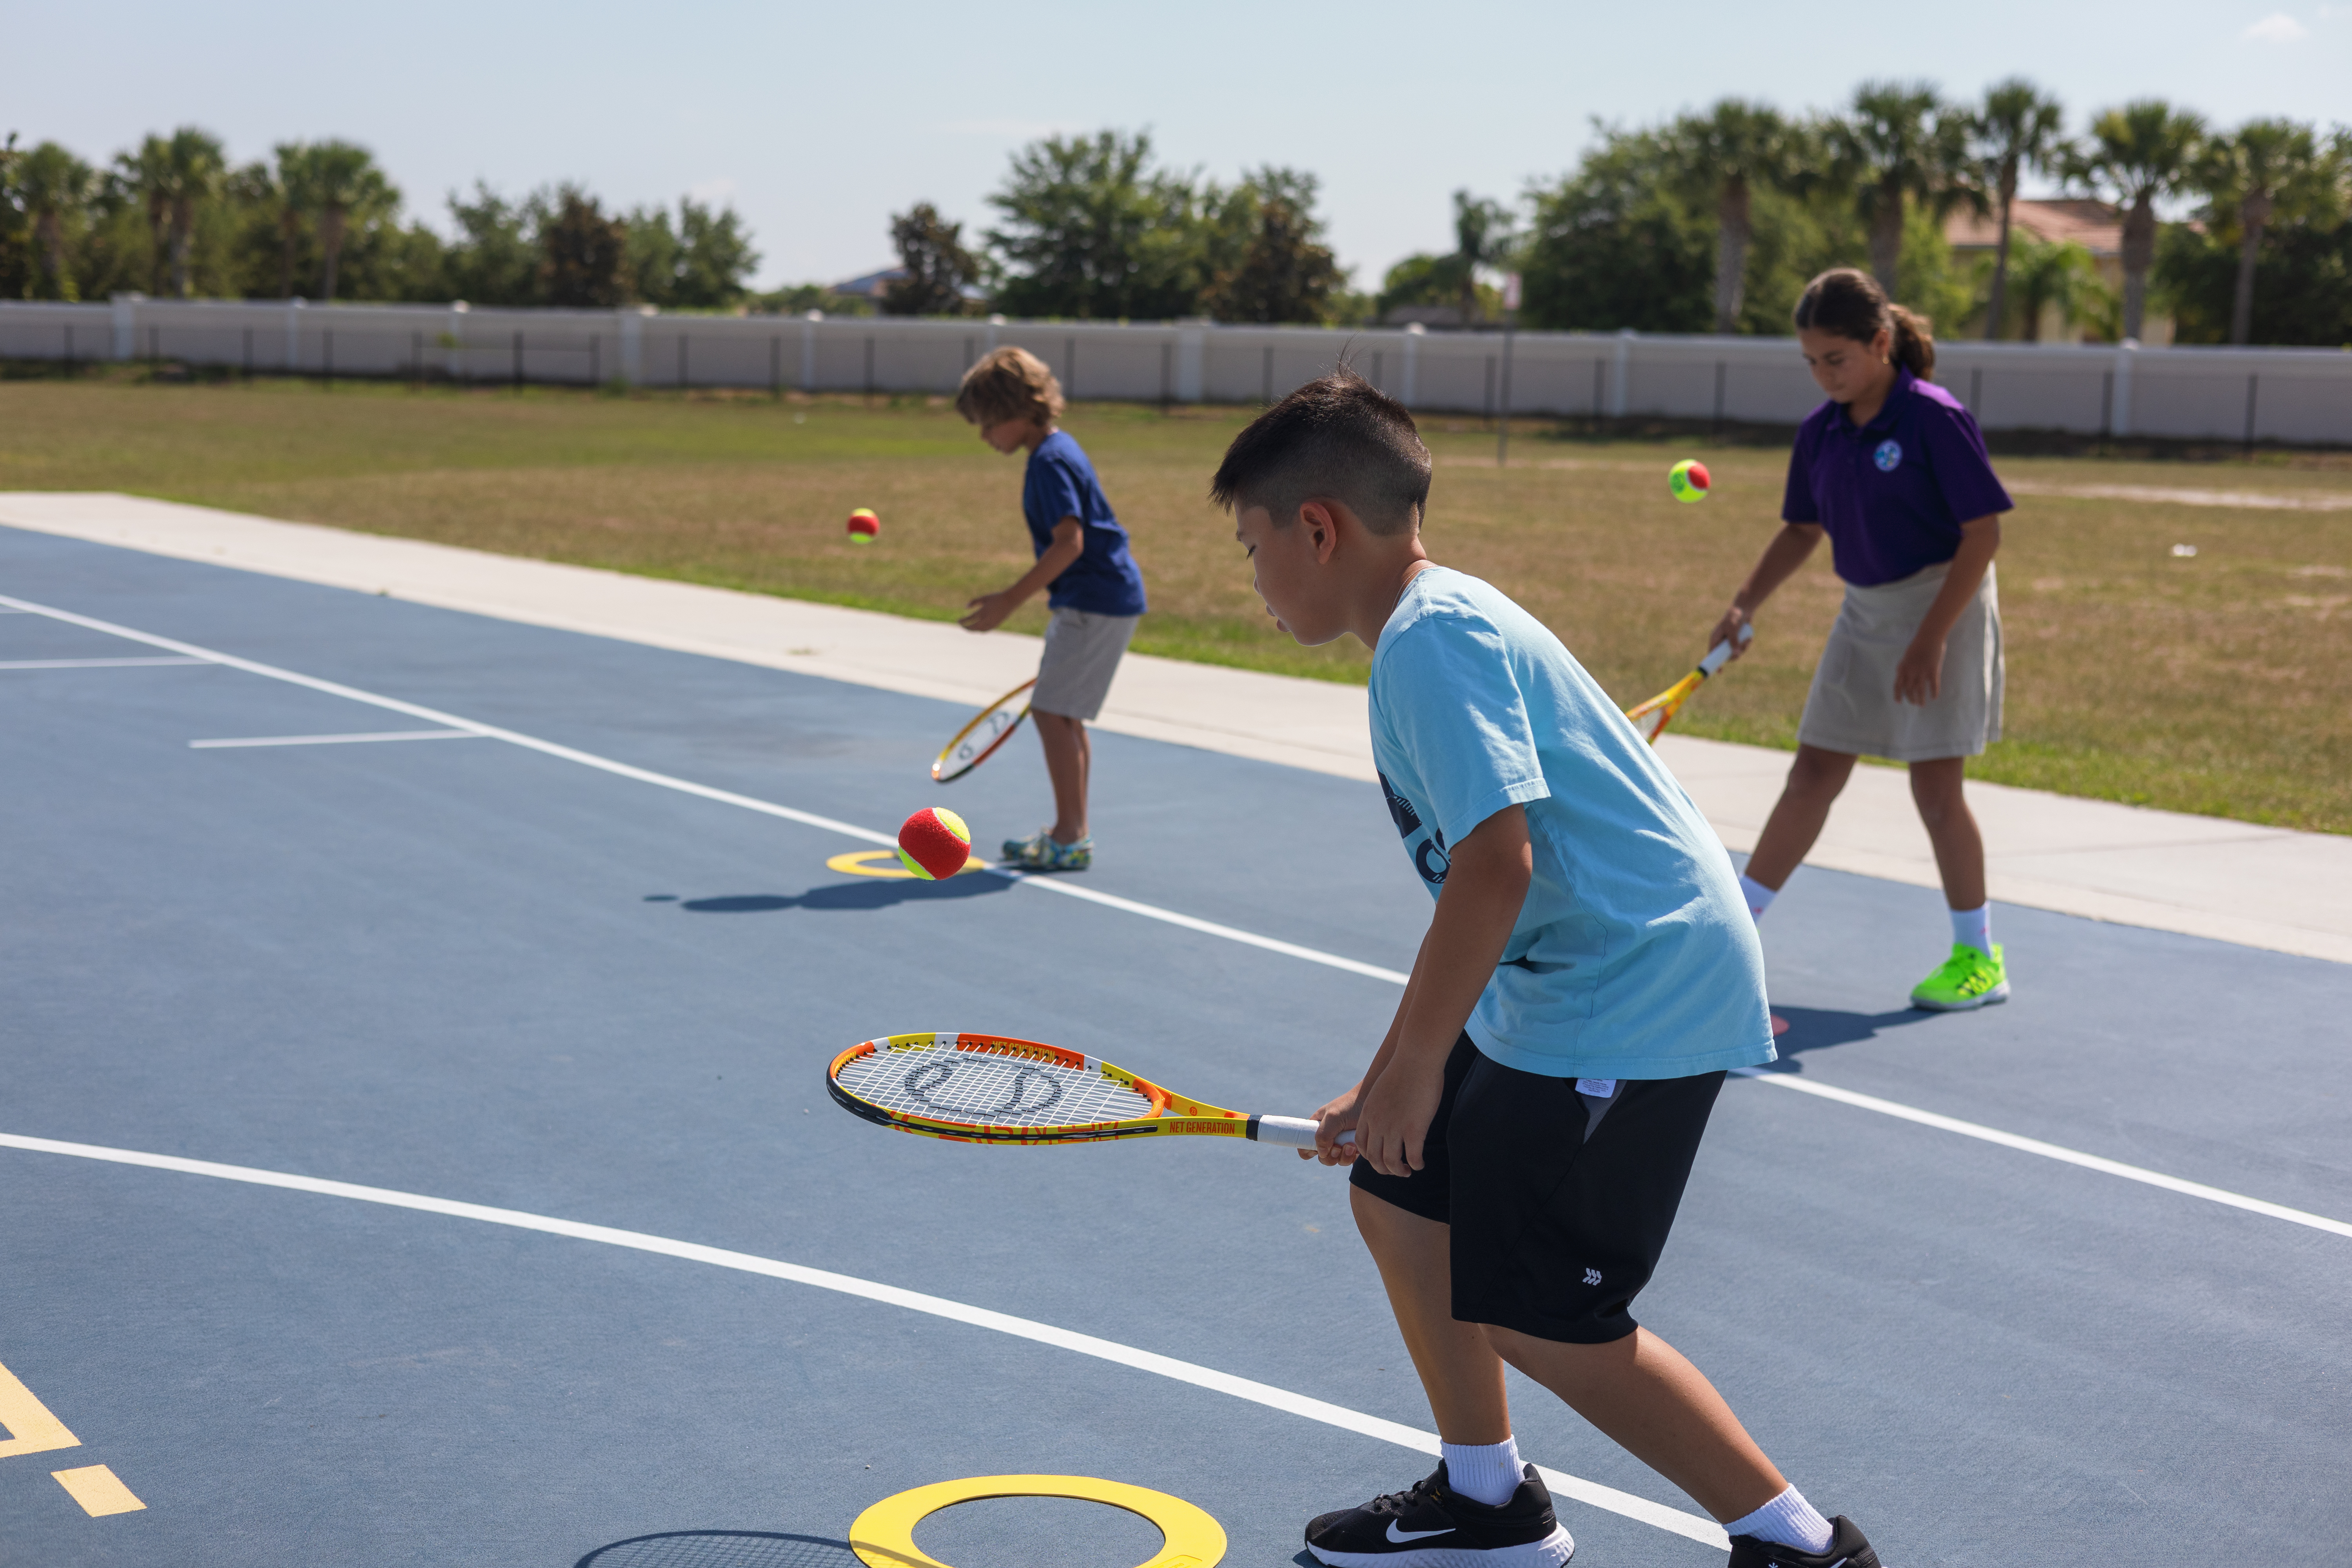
[1975,928]
[1787,1520]
[1760,897]
[1482,1472]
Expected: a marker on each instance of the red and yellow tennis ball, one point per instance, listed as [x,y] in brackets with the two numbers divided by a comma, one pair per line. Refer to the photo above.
[934,843]
[864,526]
[1688,482]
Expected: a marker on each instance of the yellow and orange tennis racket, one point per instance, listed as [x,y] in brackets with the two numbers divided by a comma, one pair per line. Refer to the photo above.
[1653,716]
[978,740]
[989,1089]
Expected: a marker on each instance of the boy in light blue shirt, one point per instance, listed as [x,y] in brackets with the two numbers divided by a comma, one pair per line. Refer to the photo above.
[1522,1138]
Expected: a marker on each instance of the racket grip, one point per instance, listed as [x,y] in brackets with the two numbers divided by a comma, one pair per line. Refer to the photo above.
[1290,1131]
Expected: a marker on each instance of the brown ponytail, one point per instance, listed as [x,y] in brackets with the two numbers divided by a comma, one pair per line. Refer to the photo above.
[1850,304]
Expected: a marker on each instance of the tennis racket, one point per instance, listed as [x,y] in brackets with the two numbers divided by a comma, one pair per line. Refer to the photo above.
[977,741]
[1653,716]
[987,1089]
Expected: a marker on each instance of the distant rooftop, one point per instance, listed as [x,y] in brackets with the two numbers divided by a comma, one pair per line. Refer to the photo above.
[2097,226]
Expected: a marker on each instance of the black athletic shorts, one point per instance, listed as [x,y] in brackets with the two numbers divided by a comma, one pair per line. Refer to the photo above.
[1555,1232]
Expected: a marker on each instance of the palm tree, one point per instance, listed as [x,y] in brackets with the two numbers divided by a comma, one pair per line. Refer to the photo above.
[340,180]
[2266,169]
[284,192]
[1722,156]
[2019,127]
[146,178]
[1482,237]
[2061,274]
[2137,154]
[1900,143]
[54,184]
[196,169]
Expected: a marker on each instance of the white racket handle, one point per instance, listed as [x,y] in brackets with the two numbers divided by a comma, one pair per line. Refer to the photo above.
[1290,1131]
[1720,654]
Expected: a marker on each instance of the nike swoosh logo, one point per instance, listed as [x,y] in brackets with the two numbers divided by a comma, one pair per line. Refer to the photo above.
[1402,1536]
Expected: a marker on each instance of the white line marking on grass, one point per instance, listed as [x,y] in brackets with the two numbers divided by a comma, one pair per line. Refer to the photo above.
[686,786]
[95,663]
[2048,1151]
[339,740]
[1643,1510]
[1149,911]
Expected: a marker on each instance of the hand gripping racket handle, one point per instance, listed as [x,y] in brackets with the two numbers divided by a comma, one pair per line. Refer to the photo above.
[1290,1131]
[1720,654]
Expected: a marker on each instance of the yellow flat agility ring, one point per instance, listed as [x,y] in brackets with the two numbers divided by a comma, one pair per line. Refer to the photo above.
[882,863]
[884,1535]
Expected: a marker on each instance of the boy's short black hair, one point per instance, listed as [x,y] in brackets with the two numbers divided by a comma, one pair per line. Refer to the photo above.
[1338,435]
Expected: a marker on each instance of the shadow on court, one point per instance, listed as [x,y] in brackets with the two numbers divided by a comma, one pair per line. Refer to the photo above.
[866,893]
[1818,1028]
[722,1548]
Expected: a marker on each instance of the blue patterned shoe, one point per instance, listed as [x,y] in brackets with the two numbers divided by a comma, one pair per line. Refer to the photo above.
[1041,852]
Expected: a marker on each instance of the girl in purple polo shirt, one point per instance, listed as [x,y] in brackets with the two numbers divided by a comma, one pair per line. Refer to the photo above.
[1893,471]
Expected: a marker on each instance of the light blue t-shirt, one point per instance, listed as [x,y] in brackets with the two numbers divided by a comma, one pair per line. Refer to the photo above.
[1634,956]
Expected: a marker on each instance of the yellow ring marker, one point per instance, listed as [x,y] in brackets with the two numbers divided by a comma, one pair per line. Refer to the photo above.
[884,1535]
[884,863]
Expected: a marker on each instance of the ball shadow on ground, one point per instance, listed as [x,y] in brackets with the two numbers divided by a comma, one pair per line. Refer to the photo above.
[865,893]
[722,1548]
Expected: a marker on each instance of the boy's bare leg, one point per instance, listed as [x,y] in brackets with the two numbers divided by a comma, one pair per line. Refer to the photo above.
[1069,759]
[1642,1394]
[1459,1369]
[1951,828]
[1815,780]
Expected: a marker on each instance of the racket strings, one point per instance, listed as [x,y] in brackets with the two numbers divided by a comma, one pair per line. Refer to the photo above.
[993,1088]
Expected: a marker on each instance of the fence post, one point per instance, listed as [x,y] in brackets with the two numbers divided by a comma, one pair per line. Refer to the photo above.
[1266,397]
[69,363]
[1191,358]
[415,357]
[596,361]
[1976,393]
[454,365]
[681,360]
[1070,368]
[1715,427]
[126,326]
[869,369]
[1620,382]
[808,349]
[1503,430]
[1167,373]
[294,335]
[1490,389]
[2125,352]
[633,344]
[517,362]
[326,359]
[776,367]
[2253,384]
[1414,333]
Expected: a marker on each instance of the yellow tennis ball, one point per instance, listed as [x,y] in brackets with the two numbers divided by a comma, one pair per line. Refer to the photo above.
[1688,481]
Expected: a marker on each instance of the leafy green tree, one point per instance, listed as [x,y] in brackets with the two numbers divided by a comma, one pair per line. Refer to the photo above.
[338,183]
[2135,156]
[1899,144]
[2266,170]
[1266,258]
[495,255]
[581,253]
[1484,237]
[2018,127]
[1611,247]
[719,258]
[938,267]
[1418,279]
[277,218]
[2061,275]
[1090,229]
[17,267]
[1721,158]
[53,187]
[652,256]
[144,178]
[2305,259]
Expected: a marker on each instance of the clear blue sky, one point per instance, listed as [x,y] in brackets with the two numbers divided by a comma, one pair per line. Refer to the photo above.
[817,122]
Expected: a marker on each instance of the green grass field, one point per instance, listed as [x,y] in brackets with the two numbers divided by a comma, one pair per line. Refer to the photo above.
[2220,684]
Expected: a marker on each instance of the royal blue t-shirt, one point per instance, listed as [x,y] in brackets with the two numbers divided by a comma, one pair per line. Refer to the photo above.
[1633,956]
[1892,494]
[1060,483]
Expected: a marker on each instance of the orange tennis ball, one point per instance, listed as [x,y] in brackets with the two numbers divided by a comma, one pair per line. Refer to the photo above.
[934,843]
[864,526]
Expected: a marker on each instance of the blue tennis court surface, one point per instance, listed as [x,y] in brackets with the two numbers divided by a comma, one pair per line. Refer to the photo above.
[469,972]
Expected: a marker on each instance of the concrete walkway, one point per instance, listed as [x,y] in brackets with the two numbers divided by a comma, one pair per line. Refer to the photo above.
[2210,877]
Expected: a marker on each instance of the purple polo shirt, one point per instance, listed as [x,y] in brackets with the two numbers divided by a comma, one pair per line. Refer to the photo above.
[1892,494]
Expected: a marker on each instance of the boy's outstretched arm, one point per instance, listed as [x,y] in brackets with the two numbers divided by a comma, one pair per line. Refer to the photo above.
[990,611]
[1485,888]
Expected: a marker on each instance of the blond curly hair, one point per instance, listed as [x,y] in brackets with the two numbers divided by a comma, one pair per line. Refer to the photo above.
[1009,383]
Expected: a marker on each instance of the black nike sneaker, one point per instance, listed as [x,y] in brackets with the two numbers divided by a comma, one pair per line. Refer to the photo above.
[1846,1549]
[1431,1526]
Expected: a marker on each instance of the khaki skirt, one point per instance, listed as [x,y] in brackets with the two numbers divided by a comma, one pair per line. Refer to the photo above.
[1852,707]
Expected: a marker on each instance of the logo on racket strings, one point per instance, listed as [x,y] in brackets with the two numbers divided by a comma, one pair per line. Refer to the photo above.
[992,1087]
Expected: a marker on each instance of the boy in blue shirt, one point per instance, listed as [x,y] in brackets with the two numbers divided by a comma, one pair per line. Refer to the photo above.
[1525,1131]
[1091,580]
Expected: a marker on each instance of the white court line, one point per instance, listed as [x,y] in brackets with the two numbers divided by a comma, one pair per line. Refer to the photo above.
[1152,912]
[337,740]
[2047,1151]
[1643,1510]
[95,663]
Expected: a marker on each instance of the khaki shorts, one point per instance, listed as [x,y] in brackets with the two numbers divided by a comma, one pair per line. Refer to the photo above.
[1852,707]
[1082,653]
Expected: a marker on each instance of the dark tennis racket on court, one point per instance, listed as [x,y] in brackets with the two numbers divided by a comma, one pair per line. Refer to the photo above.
[978,740]
[1653,716]
[989,1089]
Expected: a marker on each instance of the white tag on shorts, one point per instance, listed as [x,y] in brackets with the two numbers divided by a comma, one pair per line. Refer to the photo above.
[1598,1088]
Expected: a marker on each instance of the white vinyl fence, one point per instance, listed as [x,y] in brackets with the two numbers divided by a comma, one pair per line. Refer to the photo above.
[2299,396]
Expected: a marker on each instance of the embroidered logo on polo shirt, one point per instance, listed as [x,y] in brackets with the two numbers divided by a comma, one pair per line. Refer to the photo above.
[1888,456]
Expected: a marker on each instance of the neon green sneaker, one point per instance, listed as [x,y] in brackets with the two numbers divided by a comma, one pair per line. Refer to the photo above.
[1967,979]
